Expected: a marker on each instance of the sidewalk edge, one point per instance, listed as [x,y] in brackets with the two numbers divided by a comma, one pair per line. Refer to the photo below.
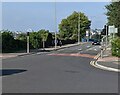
[96,65]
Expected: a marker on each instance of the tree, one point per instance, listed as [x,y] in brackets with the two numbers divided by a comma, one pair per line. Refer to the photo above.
[35,40]
[49,40]
[22,37]
[8,42]
[44,35]
[68,28]
[113,15]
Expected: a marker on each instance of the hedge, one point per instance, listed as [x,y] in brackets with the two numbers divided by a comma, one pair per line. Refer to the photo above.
[116,46]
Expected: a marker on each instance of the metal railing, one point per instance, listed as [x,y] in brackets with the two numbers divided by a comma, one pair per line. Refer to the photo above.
[105,43]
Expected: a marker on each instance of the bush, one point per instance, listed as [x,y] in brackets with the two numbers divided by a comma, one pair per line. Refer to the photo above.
[68,41]
[116,47]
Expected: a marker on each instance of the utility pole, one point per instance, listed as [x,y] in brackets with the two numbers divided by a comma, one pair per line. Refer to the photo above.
[28,50]
[106,36]
[55,28]
[78,27]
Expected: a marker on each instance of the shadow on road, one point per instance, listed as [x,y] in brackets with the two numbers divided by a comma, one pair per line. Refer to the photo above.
[5,72]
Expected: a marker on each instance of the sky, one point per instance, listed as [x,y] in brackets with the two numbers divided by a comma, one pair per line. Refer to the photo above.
[21,16]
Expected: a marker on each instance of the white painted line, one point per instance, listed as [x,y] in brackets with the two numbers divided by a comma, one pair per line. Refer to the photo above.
[80,49]
[61,49]
[39,53]
[95,49]
[88,46]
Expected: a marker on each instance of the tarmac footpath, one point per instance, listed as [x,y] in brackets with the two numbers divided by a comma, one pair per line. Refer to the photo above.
[109,63]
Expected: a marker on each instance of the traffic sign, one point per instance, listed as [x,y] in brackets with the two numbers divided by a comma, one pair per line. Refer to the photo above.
[111,29]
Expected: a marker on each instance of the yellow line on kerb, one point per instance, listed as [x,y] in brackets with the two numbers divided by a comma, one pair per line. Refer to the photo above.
[96,57]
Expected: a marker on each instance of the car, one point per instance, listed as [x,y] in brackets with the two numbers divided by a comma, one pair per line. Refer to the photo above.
[95,42]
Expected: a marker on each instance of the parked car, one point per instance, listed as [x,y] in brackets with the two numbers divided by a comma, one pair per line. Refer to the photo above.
[95,42]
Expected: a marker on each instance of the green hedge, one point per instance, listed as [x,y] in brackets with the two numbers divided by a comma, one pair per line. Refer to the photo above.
[116,47]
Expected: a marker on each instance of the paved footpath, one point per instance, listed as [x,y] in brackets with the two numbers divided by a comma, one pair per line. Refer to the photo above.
[109,63]
[8,55]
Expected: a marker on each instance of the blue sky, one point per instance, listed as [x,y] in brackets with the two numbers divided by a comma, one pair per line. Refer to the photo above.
[38,15]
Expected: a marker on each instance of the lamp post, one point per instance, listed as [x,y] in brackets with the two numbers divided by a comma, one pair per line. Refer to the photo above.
[55,28]
[78,27]
[106,36]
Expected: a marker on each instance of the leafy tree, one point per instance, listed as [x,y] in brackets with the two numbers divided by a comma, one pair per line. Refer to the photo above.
[22,37]
[113,13]
[68,28]
[44,35]
[8,42]
[35,39]
[49,40]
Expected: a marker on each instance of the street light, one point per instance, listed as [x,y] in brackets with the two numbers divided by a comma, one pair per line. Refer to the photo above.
[78,27]
[55,29]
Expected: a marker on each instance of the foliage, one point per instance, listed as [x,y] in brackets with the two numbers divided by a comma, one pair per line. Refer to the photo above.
[68,28]
[42,36]
[22,37]
[35,39]
[116,46]
[9,44]
[7,41]
[113,13]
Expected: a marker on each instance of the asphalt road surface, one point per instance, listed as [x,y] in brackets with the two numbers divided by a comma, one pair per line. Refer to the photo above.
[64,71]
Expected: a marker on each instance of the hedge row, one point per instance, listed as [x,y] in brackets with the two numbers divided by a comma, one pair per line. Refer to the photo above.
[116,47]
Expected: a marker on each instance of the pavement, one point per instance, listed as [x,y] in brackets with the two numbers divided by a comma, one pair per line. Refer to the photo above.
[22,53]
[107,62]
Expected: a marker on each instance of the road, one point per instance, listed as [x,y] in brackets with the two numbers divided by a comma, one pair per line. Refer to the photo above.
[64,71]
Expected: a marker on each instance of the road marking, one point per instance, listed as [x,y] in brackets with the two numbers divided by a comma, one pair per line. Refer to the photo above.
[61,49]
[97,56]
[39,53]
[80,49]
[95,49]
[88,46]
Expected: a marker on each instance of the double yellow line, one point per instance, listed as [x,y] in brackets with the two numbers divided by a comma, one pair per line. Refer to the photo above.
[97,56]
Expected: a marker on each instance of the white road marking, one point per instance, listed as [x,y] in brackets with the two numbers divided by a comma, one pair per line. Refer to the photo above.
[80,49]
[95,49]
[88,46]
[61,49]
[39,53]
